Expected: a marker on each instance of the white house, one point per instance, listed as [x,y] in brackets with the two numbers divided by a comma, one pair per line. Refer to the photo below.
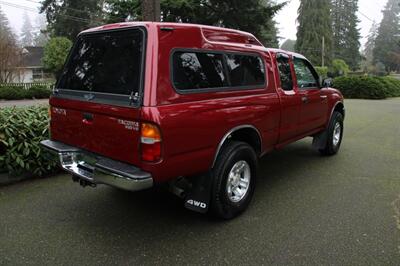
[31,69]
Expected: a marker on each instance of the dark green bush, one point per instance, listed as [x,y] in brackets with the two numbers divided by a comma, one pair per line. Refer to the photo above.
[21,130]
[394,85]
[19,93]
[12,93]
[38,92]
[360,87]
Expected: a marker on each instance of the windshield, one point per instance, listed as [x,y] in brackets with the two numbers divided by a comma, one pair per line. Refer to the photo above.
[107,62]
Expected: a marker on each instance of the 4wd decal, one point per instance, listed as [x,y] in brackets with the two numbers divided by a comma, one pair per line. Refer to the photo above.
[197,204]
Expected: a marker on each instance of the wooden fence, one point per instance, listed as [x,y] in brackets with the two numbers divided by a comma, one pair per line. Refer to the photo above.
[28,85]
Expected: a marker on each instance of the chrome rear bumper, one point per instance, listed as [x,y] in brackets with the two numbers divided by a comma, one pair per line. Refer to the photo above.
[97,169]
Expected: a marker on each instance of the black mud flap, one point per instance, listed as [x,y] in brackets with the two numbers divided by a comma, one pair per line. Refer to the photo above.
[199,196]
[320,140]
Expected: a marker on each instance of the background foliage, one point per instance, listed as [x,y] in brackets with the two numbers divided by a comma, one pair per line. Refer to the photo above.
[19,93]
[338,68]
[314,21]
[21,130]
[387,42]
[346,35]
[55,54]
[368,87]
[255,16]
[10,55]
[67,18]
[322,72]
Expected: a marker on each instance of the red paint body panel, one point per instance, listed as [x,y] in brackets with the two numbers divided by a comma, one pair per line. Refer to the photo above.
[107,134]
[192,125]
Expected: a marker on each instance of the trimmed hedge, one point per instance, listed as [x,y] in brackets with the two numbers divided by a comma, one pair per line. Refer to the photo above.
[12,93]
[38,92]
[21,130]
[19,93]
[393,86]
[368,87]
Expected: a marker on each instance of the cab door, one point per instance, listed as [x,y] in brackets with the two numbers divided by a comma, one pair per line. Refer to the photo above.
[290,100]
[314,104]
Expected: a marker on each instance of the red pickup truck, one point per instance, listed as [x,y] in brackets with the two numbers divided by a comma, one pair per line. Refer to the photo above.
[191,106]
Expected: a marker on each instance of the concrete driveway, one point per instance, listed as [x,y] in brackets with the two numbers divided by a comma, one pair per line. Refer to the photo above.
[307,210]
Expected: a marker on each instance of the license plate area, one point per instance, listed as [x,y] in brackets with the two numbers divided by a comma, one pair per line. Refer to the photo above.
[79,164]
[86,168]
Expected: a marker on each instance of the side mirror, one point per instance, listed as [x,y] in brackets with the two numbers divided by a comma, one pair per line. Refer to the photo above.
[326,83]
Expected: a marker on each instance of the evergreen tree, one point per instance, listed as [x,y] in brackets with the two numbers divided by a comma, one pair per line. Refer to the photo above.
[370,44]
[387,49]
[27,35]
[314,21]
[5,30]
[69,17]
[41,35]
[288,45]
[346,35]
[255,16]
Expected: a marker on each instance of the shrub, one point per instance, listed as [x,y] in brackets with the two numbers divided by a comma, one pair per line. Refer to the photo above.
[55,54]
[392,89]
[395,86]
[322,72]
[12,93]
[19,93]
[21,130]
[361,87]
[38,92]
[339,68]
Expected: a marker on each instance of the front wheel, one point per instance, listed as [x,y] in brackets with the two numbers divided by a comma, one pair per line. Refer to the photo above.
[233,180]
[334,135]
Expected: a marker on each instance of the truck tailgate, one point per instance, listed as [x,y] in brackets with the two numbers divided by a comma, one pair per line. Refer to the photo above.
[106,130]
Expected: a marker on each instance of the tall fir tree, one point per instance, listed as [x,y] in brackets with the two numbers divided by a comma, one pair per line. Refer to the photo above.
[5,30]
[368,51]
[288,45]
[41,34]
[387,48]
[346,35]
[27,34]
[67,18]
[315,24]
[255,16]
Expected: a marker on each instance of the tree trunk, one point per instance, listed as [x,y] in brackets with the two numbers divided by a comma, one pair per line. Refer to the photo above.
[151,10]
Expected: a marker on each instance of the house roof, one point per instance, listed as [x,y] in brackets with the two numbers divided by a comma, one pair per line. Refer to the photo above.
[32,56]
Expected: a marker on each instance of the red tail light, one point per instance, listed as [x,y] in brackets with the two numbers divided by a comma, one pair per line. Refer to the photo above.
[150,139]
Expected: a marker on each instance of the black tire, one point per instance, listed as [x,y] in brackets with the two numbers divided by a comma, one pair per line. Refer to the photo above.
[332,147]
[232,154]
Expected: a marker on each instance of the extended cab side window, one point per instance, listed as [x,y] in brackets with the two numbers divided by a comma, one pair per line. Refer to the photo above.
[198,71]
[285,72]
[306,76]
[207,70]
[245,70]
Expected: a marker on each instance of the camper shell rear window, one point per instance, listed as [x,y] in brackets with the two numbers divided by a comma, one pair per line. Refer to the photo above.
[105,66]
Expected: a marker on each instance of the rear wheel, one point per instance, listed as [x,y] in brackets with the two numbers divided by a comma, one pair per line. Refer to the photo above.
[234,177]
[334,135]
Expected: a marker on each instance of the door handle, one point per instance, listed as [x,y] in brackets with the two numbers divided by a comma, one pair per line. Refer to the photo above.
[304,99]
